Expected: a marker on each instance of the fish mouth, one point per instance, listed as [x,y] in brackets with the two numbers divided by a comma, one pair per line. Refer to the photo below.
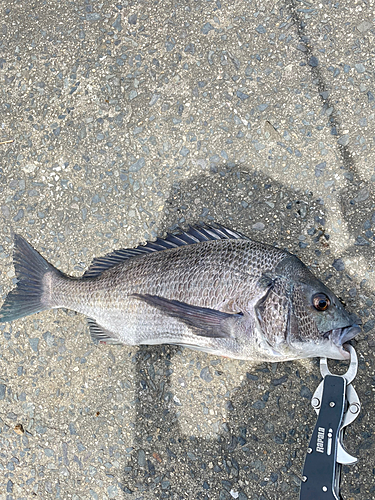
[340,336]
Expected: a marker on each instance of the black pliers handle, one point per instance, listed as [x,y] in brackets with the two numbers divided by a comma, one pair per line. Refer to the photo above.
[337,405]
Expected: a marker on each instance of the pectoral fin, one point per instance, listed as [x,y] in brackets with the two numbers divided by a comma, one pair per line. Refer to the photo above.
[204,321]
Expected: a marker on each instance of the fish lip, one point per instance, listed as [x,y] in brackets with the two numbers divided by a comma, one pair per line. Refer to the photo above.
[340,336]
[350,332]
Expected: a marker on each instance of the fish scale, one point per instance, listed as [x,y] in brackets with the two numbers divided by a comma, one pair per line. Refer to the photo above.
[109,299]
[209,288]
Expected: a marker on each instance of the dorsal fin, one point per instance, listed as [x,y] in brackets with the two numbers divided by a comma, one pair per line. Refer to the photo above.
[195,234]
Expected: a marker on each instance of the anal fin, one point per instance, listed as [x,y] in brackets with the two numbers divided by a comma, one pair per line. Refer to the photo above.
[100,334]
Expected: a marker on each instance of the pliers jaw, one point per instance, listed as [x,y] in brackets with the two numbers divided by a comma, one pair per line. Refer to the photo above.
[337,405]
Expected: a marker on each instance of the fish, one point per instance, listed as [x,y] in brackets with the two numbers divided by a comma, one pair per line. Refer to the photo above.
[209,288]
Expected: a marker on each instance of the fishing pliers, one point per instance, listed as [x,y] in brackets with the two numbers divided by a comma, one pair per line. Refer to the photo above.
[337,405]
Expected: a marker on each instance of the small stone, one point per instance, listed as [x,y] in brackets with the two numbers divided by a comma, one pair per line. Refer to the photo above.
[260,29]
[117,23]
[133,19]
[258,226]
[184,151]
[305,392]
[259,405]
[273,477]
[29,168]
[269,428]
[362,195]
[319,169]
[34,344]
[170,44]
[360,68]
[361,241]
[141,458]
[258,145]
[229,406]
[338,264]
[135,167]
[5,211]
[2,391]
[112,491]
[207,28]
[279,381]
[154,99]
[49,338]
[72,429]
[19,215]
[190,48]
[191,455]
[93,16]
[206,375]
[242,95]
[344,140]
[364,26]
[280,439]
[369,325]
[313,61]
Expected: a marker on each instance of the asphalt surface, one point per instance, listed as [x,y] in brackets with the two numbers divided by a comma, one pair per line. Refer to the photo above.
[119,122]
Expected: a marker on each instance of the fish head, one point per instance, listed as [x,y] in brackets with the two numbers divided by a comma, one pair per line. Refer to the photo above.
[317,324]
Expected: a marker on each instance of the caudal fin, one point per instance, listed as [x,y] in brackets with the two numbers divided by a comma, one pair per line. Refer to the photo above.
[27,298]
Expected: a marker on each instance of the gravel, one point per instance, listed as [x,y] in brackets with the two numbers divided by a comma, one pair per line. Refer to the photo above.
[120,122]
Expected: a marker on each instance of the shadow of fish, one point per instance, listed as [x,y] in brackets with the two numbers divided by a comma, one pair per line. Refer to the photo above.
[210,288]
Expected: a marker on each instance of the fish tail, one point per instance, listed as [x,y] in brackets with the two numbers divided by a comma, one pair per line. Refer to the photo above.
[30,295]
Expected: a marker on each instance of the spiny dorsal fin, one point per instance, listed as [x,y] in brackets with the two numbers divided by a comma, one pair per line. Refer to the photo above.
[194,235]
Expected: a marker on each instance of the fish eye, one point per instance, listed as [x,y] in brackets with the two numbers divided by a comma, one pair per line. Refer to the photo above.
[321,301]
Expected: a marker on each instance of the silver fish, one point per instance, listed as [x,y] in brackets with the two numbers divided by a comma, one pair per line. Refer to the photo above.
[210,288]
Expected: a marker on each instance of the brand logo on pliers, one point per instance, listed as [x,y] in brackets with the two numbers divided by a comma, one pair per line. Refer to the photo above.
[320,440]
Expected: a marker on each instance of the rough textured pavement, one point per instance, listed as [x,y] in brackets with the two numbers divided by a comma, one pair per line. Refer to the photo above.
[127,120]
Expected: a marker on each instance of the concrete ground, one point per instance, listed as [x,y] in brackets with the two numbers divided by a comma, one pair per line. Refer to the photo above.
[120,121]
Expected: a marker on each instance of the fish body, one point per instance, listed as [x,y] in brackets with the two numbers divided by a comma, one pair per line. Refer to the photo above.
[210,289]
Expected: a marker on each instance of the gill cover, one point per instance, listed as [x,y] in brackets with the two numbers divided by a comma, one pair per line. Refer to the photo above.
[275,315]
